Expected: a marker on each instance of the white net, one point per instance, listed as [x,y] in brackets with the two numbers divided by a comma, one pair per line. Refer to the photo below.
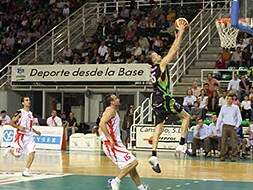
[227,33]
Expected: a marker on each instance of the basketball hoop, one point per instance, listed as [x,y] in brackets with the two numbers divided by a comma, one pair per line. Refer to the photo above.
[227,33]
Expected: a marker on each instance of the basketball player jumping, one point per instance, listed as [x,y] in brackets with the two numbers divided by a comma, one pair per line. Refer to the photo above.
[22,121]
[113,146]
[162,103]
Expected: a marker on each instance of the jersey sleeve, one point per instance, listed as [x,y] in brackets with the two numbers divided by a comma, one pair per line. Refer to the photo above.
[17,113]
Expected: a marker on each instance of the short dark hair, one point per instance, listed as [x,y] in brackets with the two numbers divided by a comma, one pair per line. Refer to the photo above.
[231,95]
[206,84]
[3,111]
[23,98]
[108,98]
[199,118]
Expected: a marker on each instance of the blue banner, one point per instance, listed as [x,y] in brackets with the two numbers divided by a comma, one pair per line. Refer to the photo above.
[47,139]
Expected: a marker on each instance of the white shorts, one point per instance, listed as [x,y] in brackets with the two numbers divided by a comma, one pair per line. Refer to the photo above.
[249,143]
[119,154]
[23,142]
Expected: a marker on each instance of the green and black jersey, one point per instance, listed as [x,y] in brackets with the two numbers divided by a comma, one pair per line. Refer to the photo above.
[160,80]
[162,103]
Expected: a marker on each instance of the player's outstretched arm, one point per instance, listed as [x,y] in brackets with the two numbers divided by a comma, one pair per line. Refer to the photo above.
[14,120]
[174,48]
[108,114]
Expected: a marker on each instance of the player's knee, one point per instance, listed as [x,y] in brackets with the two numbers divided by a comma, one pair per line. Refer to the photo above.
[135,163]
[31,153]
[187,116]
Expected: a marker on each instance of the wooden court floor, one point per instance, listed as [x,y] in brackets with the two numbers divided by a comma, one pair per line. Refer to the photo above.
[66,170]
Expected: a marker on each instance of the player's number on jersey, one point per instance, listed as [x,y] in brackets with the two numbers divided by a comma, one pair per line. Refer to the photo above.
[153,78]
[127,157]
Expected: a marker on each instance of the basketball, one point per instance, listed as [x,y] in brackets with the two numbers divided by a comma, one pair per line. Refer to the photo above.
[180,21]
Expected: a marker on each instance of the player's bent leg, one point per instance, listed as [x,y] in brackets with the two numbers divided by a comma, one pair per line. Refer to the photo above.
[29,147]
[184,128]
[29,162]
[153,159]
[115,183]
[158,131]
[185,122]
[126,170]
[137,180]
[15,154]
[10,150]
[30,159]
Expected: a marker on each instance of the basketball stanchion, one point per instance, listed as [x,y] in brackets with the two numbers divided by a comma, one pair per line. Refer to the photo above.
[64,143]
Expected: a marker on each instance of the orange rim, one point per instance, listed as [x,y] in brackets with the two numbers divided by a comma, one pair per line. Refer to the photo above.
[228,20]
[223,20]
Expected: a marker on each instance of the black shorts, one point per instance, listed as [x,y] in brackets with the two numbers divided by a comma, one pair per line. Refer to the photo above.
[163,106]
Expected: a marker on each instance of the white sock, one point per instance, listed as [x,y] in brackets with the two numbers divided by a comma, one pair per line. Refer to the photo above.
[27,169]
[117,180]
[140,187]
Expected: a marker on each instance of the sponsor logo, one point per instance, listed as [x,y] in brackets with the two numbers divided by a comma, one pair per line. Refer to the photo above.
[47,139]
[20,74]
[161,139]
[8,135]
[150,140]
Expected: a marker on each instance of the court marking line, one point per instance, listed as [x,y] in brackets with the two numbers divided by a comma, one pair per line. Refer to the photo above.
[20,178]
[7,181]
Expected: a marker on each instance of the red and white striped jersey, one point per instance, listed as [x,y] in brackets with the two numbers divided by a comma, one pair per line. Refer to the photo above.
[26,120]
[113,128]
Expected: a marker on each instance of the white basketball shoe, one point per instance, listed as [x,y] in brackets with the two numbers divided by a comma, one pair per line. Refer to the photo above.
[181,149]
[154,163]
[7,151]
[27,173]
[113,184]
[145,187]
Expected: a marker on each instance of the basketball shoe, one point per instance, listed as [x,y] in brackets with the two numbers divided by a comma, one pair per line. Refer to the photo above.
[113,184]
[27,173]
[181,148]
[145,187]
[154,163]
[7,151]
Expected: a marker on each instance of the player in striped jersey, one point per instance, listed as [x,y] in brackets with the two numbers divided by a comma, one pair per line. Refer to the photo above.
[162,103]
[22,121]
[113,146]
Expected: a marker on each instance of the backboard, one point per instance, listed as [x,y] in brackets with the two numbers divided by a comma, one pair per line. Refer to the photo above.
[242,15]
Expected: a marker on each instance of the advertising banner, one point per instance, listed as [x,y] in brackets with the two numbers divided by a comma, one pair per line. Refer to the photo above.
[79,141]
[51,137]
[89,73]
[168,140]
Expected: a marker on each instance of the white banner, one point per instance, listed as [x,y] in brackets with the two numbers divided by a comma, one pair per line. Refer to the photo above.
[96,73]
[169,139]
[51,137]
[79,141]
